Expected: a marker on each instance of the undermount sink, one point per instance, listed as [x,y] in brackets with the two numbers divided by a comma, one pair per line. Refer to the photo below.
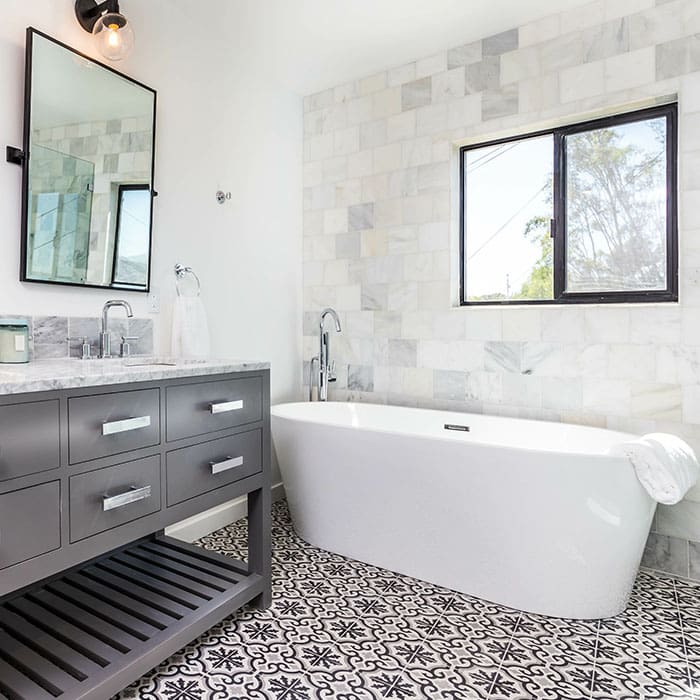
[150,363]
[162,362]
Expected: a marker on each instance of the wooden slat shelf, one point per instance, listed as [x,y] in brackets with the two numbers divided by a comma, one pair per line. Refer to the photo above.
[93,630]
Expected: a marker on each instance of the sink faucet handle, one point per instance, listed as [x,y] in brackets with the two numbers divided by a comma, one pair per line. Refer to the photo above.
[85,347]
[125,346]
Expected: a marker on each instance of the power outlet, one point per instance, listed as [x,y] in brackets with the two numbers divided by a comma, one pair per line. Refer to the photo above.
[153,303]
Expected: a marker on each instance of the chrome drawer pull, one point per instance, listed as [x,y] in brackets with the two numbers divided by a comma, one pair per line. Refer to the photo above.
[124,426]
[228,463]
[226,406]
[123,499]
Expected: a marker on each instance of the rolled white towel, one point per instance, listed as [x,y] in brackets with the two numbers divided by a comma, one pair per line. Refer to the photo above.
[665,465]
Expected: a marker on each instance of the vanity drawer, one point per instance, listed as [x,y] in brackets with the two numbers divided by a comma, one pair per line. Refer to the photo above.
[195,470]
[30,523]
[108,424]
[29,438]
[113,496]
[196,409]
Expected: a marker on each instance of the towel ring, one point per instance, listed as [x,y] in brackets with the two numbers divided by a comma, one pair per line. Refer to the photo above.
[180,272]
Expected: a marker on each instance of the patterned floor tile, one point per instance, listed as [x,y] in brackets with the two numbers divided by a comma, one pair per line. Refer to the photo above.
[168,684]
[344,630]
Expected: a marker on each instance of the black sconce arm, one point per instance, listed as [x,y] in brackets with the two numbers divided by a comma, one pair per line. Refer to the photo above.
[89,11]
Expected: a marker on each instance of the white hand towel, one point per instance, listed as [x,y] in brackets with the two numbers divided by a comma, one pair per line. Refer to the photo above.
[190,333]
[665,465]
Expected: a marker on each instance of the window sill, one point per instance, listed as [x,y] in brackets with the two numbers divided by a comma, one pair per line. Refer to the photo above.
[567,304]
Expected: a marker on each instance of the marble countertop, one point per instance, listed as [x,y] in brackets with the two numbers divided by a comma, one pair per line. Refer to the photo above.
[48,375]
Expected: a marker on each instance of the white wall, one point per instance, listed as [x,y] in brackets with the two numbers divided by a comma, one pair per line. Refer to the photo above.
[222,123]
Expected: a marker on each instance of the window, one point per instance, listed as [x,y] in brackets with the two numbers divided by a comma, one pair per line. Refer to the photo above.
[583,213]
[132,241]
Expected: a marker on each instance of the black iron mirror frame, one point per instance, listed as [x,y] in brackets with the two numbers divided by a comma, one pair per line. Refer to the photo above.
[21,157]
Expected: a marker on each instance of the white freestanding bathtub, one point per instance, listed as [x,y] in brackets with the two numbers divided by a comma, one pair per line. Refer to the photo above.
[532,515]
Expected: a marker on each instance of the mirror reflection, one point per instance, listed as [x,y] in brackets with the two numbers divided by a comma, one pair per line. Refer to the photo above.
[90,172]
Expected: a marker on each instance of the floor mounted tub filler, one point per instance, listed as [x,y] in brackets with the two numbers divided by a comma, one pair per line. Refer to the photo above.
[532,515]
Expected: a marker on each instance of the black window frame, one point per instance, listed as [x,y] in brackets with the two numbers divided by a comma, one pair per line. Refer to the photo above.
[116,284]
[560,296]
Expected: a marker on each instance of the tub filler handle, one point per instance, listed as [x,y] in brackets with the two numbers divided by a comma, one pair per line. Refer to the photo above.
[314,361]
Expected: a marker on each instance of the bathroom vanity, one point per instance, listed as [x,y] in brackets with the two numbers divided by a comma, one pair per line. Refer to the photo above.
[97,458]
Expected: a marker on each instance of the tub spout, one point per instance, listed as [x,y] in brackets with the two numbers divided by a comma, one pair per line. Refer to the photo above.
[334,315]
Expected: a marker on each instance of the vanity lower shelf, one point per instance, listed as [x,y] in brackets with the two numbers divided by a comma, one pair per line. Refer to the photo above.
[89,632]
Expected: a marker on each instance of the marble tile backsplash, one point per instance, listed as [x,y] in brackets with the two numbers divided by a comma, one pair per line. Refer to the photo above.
[49,335]
[381,246]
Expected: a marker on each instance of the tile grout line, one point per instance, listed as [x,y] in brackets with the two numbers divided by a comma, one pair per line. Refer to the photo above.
[424,638]
[403,669]
[685,646]
[595,659]
[454,667]
[505,653]
[642,657]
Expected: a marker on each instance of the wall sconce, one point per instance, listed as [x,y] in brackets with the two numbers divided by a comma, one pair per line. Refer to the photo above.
[112,32]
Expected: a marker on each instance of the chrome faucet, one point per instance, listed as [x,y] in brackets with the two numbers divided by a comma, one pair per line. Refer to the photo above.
[326,368]
[105,337]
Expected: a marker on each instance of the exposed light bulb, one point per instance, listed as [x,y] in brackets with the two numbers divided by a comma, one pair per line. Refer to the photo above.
[114,36]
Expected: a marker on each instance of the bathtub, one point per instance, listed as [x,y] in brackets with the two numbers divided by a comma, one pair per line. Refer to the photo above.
[532,515]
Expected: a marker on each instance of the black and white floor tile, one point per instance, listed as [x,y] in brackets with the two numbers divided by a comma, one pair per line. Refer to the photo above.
[341,629]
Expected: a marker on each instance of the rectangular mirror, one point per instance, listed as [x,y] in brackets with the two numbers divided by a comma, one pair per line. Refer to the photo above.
[87,204]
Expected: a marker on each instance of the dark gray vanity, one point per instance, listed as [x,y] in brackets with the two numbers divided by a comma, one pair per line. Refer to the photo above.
[98,457]
[92,593]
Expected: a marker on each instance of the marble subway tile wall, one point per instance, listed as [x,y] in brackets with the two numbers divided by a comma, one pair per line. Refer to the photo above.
[49,335]
[380,245]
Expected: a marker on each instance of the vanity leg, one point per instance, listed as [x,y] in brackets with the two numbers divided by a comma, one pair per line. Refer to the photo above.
[259,542]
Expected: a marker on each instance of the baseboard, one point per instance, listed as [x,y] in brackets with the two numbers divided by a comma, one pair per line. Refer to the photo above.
[214,519]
